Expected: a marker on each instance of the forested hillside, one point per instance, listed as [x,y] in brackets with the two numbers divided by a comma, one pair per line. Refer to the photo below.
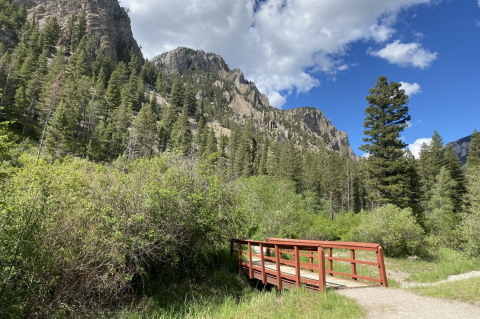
[118,174]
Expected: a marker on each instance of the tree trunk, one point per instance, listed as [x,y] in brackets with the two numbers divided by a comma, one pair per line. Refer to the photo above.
[55,86]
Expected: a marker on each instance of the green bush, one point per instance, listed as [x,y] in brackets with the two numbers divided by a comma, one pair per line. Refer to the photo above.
[392,227]
[76,236]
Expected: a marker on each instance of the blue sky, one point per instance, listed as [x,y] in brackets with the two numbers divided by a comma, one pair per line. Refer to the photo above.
[328,53]
[449,101]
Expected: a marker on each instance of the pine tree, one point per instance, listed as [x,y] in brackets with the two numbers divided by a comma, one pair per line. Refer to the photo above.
[387,117]
[473,157]
[100,145]
[182,133]
[51,34]
[81,28]
[160,84]
[211,147]
[190,100]
[429,164]
[177,97]
[454,166]
[440,217]
[200,137]
[143,135]
[114,89]
[243,155]
[262,166]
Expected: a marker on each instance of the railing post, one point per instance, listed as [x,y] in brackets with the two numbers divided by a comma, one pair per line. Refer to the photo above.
[262,261]
[240,257]
[354,264]
[250,266]
[297,265]
[279,272]
[311,261]
[330,262]
[381,267]
[322,282]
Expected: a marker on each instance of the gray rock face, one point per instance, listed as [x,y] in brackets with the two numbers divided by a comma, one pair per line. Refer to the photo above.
[460,147]
[107,22]
[246,102]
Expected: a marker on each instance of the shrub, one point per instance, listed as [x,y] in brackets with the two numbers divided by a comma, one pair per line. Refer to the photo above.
[77,235]
[392,227]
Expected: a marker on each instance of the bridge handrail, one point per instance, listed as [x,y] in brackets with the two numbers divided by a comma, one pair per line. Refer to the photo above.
[295,247]
[352,246]
[280,247]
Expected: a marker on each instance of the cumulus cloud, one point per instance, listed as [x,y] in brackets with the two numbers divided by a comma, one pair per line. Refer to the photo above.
[406,54]
[411,89]
[417,145]
[282,45]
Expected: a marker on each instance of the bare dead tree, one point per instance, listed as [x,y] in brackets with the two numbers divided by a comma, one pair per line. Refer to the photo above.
[56,87]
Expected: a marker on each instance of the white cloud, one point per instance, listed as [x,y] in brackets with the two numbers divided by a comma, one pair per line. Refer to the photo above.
[419,35]
[477,23]
[406,54]
[381,33]
[409,125]
[417,145]
[366,155]
[279,44]
[411,89]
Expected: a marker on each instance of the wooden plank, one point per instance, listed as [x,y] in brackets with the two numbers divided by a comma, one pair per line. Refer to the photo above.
[297,266]
[279,272]
[321,270]
[354,276]
[250,259]
[330,261]
[262,260]
[369,263]
[354,265]
[381,265]
[240,257]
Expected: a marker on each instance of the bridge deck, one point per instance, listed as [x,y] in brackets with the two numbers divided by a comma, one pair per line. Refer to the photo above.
[331,281]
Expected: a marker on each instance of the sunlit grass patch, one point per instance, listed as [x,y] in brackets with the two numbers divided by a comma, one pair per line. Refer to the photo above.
[447,262]
[217,299]
[466,290]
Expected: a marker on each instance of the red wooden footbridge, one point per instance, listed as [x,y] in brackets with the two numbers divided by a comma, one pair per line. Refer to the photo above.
[289,263]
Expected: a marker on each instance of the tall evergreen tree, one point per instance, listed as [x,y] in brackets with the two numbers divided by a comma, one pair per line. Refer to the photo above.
[387,116]
[182,133]
[429,164]
[454,166]
[473,157]
[177,97]
[143,135]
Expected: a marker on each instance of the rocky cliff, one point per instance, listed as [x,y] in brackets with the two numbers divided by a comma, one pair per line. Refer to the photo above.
[460,147]
[107,22]
[246,102]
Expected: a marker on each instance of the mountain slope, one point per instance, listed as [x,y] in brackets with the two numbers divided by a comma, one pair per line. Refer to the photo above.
[460,147]
[245,101]
[107,22]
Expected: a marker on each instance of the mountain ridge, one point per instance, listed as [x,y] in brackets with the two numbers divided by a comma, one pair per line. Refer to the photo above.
[245,101]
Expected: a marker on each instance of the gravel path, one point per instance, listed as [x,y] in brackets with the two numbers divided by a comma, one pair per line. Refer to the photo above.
[387,303]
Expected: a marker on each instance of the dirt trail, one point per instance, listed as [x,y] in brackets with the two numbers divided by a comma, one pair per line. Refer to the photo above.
[388,303]
[400,277]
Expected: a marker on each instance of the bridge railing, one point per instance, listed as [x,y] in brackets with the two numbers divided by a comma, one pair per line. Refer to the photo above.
[277,277]
[352,247]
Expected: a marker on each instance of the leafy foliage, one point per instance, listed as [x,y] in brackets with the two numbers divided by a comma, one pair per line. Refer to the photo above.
[392,227]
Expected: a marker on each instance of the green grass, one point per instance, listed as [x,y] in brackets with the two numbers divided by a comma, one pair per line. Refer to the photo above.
[227,295]
[467,290]
[447,262]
